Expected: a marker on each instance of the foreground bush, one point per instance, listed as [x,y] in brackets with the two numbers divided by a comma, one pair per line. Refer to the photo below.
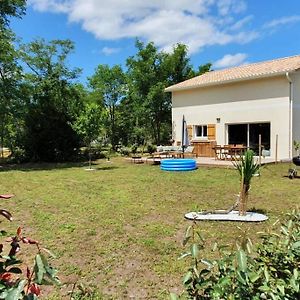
[267,271]
[17,280]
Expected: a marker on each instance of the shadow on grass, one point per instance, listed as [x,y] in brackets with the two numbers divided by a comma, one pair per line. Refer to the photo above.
[258,210]
[103,168]
[43,166]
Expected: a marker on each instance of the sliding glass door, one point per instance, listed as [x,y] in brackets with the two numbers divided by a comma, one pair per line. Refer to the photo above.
[248,135]
[237,134]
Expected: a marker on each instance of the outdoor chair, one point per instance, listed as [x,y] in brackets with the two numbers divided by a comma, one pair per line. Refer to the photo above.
[189,152]
[218,152]
[227,152]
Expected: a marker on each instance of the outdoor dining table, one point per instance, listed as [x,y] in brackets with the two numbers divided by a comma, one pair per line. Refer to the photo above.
[229,151]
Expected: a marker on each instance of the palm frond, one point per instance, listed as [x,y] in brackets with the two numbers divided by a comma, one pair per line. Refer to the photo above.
[246,166]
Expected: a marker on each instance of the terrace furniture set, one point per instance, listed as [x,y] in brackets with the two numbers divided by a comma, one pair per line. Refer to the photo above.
[228,152]
[165,152]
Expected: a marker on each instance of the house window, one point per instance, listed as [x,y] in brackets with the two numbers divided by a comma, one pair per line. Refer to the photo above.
[200,131]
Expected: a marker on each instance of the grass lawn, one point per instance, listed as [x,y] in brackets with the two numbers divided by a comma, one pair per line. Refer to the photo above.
[119,229]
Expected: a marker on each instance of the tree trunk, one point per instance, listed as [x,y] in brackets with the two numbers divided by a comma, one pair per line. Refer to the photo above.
[243,199]
[90,157]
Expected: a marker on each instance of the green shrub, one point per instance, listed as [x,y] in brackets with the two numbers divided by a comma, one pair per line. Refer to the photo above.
[124,151]
[18,156]
[134,148]
[20,281]
[269,270]
[151,148]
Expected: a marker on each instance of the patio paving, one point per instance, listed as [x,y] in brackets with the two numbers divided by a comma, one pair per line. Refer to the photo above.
[202,161]
[212,162]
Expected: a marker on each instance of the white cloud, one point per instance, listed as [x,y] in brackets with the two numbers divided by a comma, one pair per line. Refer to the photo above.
[110,51]
[197,23]
[282,21]
[241,23]
[225,7]
[231,60]
[61,6]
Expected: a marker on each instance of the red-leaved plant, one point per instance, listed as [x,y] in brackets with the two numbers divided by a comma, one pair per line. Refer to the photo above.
[18,281]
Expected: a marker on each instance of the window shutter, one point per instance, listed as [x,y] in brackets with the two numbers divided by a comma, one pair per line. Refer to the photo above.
[211,132]
[190,132]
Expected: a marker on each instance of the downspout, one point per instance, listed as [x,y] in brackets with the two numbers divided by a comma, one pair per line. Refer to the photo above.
[290,112]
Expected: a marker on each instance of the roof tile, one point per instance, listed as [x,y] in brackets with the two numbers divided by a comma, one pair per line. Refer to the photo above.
[244,72]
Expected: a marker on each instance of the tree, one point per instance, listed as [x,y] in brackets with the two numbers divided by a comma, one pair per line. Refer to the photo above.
[109,86]
[147,79]
[150,71]
[178,64]
[203,69]
[55,101]
[88,125]
[10,71]
[11,8]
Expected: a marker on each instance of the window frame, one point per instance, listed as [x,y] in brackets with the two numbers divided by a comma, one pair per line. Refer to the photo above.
[196,130]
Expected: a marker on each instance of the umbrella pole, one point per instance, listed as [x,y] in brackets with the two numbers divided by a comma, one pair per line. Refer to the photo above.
[182,136]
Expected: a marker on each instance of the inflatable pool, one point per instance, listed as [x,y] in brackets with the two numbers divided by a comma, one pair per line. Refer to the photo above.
[178,164]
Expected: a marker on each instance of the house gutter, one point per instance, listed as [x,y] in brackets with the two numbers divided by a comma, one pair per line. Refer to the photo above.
[287,74]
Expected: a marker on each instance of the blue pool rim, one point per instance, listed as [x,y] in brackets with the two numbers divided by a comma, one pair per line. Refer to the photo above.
[182,164]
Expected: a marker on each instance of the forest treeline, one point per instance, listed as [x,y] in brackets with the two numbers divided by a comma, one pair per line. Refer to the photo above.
[46,114]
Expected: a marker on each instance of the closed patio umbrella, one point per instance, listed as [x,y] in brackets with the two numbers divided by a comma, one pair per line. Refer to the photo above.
[185,136]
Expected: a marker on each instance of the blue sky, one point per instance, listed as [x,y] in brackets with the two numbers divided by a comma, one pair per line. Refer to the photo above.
[224,32]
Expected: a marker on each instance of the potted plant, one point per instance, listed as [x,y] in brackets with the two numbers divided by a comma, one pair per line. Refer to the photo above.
[296,159]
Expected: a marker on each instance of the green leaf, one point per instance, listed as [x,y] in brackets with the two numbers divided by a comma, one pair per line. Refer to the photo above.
[195,250]
[187,278]
[188,232]
[284,230]
[281,289]
[185,240]
[249,246]
[296,245]
[294,285]
[264,288]
[242,260]
[266,273]
[196,271]
[215,246]
[182,256]
[225,281]
[295,273]
[39,269]
[173,296]
[253,276]
[207,262]
[188,235]
[241,277]
[16,292]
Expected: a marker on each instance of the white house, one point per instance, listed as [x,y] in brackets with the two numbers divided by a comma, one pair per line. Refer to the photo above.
[236,105]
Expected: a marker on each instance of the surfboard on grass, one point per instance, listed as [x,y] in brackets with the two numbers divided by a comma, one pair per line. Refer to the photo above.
[231,216]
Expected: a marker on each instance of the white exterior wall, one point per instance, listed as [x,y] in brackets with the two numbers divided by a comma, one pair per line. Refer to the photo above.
[295,95]
[255,101]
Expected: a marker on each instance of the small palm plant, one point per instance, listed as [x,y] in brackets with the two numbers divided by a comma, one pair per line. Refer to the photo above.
[297,146]
[247,168]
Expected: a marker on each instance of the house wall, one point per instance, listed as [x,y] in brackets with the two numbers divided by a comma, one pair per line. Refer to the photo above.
[264,100]
[295,107]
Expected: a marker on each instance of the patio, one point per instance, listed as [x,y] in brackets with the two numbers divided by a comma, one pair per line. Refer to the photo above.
[212,162]
[204,161]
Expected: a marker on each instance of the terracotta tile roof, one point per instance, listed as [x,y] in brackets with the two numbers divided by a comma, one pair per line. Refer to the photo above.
[256,70]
